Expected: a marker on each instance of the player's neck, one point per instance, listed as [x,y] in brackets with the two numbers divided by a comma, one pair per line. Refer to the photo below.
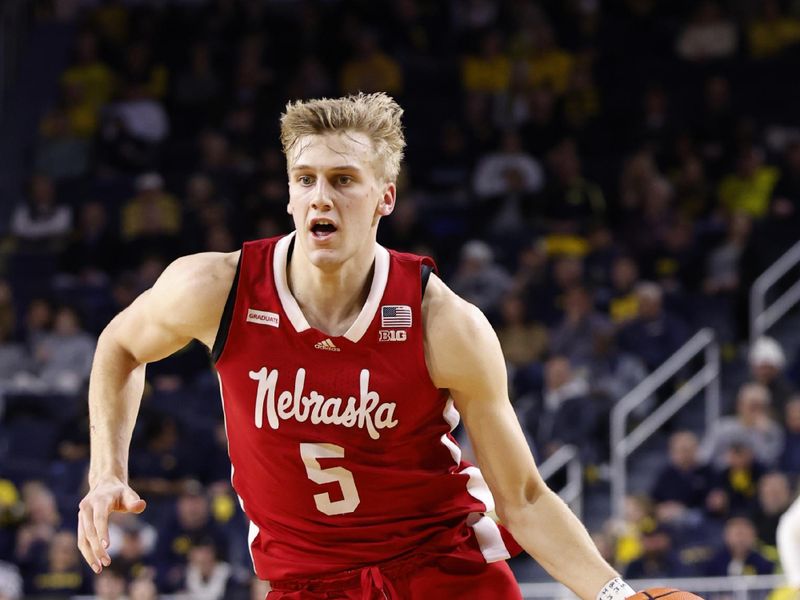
[331,299]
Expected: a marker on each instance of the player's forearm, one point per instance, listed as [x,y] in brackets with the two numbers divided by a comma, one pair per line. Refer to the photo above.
[788,537]
[549,531]
[115,391]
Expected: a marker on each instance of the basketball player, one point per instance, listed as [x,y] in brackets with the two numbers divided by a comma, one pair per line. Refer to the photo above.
[344,367]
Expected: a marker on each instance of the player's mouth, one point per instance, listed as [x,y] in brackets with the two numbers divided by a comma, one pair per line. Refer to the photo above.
[322,229]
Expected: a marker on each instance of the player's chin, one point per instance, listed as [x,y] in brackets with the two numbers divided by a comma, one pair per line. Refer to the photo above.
[325,257]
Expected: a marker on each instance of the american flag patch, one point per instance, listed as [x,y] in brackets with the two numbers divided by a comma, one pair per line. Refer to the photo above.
[396,315]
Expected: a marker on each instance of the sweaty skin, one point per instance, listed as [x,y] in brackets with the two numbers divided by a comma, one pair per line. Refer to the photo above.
[332,177]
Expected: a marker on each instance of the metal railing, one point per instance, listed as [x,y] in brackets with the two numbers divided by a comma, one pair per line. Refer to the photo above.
[707,378]
[762,317]
[15,18]
[572,492]
[745,587]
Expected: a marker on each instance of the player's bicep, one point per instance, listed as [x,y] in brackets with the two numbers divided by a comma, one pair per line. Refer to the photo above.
[144,332]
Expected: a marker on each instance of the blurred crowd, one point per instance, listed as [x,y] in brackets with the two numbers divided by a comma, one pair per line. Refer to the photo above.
[601,178]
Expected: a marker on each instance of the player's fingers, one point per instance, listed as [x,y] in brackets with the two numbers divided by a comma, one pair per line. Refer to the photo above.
[91,531]
[101,527]
[85,547]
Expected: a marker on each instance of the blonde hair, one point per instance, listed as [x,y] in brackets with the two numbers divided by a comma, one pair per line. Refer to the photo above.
[376,115]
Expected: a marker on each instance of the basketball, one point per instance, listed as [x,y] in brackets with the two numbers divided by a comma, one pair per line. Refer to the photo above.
[668,593]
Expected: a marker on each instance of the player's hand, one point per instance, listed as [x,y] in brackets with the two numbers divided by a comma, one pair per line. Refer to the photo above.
[107,496]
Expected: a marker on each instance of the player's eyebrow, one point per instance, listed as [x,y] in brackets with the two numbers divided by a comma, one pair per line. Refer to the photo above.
[336,168]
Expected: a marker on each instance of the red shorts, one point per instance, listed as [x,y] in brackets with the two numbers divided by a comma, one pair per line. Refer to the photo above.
[410,580]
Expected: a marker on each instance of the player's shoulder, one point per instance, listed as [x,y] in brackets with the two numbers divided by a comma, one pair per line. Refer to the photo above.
[196,280]
[445,312]
[459,341]
[202,271]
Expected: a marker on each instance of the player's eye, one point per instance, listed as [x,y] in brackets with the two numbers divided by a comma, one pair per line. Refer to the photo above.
[305,180]
[344,179]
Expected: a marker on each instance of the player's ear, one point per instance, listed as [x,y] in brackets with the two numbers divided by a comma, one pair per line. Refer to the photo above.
[386,205]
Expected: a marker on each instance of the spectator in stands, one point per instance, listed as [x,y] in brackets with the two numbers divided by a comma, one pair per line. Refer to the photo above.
[89,73]
[749,188]
[63,357]
[789,461]
[786,195]
[682,485]
[40,223]
[715,125]
[752,424]
[658,559]
[523,342]
[493,172]
[208,577]
[196,90]
[693,190]
[370,69]
[62,572]
[655,334]
[63,150]
[637,517]
[675,262]
[767,364]
[143,588]
[14,356]
[479,279]
[736,483]
[774,497]
[132,129]
[548,300]
[162,463]
[152,210]
[612,372]
[620,300]
[131,546]
[710,35]
[575,335]
[10,582]
[192,521]
[543,128]
[739,555]
[582,96]
[38,321]
[449,170]
[548,64]
[572,202]
[93,254]
[140,65]
[566,414]
[110,584]
[39,527]
[489,70]
[772,31]
[721,284]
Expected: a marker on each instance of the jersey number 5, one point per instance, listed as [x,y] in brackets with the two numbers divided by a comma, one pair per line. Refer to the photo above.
[350,500]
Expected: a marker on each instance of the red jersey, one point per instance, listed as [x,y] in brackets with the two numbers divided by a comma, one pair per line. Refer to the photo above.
[341,446]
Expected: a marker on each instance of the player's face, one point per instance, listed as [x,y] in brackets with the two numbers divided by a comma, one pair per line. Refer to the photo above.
[335,196]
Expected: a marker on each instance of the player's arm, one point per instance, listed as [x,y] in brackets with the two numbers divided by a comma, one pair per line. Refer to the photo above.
[464,355]
[788,536]
[185,303]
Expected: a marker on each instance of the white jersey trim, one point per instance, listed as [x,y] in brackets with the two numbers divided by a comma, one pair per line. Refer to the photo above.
[295,314]
[486,530]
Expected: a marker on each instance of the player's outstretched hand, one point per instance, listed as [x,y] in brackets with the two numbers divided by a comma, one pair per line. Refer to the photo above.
[105,497]
[665,593]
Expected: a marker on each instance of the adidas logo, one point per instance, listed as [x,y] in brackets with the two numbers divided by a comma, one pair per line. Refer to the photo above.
[327,344]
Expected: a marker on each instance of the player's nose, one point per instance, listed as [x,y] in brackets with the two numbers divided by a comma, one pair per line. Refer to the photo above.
[321,199]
